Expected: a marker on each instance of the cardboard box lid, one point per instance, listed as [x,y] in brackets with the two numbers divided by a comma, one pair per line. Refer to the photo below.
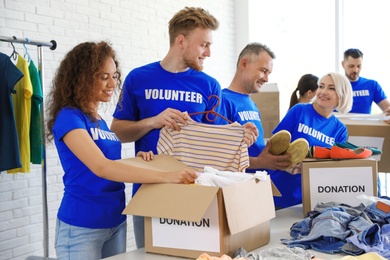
[174,201]
[329,163]
[161,162]
[162,200]
[242,213]
[362,119]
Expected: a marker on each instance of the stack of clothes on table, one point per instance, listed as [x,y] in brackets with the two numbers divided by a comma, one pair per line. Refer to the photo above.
[336,227]
[277,253]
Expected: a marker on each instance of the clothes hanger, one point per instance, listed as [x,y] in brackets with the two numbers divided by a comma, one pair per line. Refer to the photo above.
[26,54]
[212,112]
[14,54]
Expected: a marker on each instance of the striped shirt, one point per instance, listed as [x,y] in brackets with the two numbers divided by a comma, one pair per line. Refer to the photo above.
[199,145]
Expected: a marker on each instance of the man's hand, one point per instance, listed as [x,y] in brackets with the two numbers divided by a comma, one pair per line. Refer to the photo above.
[266,160]
[250,133]
[170,118]
[387,114]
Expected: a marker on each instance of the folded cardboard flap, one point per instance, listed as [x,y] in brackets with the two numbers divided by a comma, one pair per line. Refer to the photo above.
[275,191]
[161,162]
[243,214]
[174,201]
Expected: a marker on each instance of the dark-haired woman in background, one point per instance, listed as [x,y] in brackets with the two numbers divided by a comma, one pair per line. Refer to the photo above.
[307,87]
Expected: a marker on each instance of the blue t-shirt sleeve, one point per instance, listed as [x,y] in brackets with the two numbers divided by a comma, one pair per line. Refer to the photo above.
[379,93]
[67,120]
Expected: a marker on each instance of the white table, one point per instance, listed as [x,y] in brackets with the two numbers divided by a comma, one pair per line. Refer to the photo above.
[280,228]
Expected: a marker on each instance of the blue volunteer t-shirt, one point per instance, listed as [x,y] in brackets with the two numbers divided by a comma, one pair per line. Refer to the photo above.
[89,201]
[149,90]
[302,121]
[366,91]
[240,108]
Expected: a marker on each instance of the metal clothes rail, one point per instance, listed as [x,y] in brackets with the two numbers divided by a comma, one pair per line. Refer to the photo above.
[52,45]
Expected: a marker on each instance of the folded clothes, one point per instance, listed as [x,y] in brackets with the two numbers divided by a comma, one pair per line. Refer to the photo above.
[213,177]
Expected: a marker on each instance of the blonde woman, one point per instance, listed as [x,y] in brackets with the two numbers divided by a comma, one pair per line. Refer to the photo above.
[318,125]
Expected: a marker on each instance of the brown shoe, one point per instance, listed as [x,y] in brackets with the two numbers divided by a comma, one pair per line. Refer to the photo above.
[298,150]
[280,142]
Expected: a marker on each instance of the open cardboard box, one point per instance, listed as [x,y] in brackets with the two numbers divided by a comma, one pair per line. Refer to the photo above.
[188,220]
[337,181]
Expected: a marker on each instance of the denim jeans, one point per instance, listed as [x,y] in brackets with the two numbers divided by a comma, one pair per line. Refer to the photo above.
[377,215]
[79,243]
[376,238]
[139,231]
[327,231]
[352,210]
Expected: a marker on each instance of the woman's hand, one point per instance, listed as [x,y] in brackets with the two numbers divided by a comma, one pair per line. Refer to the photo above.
[146,156]
[185,176]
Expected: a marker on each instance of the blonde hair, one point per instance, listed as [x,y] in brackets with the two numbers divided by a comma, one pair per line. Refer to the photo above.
[189,19]
[343,89]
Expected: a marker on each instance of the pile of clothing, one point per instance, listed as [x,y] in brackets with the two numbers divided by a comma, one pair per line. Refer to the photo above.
[336,227]
[277,253]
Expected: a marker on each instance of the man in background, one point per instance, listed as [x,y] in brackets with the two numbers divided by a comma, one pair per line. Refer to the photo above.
[365,91]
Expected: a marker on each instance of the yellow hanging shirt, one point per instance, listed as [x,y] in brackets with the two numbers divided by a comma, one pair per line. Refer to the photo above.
[22,110]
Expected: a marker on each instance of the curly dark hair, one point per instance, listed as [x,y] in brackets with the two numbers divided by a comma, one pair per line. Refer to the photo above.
[74,82]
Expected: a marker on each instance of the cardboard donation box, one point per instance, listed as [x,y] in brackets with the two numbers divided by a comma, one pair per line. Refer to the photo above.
[267,101]
[370,131]
[337,181]
[188,220]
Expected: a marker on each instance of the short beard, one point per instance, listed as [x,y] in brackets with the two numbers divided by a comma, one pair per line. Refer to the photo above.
[351,78]
[191,63]
[194,65]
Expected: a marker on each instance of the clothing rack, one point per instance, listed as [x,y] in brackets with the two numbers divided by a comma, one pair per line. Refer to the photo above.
[52,45]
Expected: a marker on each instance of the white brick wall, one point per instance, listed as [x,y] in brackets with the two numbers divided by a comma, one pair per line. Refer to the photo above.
[138,31]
